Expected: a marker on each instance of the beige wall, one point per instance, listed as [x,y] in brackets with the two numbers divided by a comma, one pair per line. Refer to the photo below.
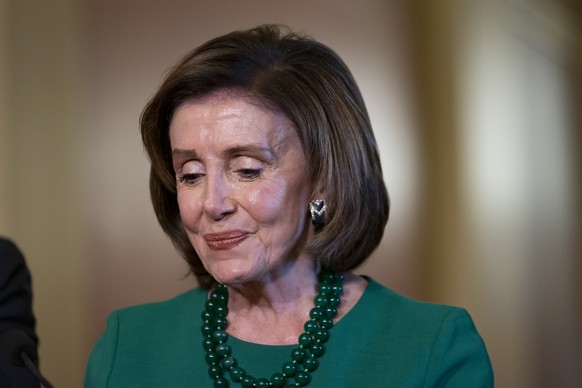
[496,86]
[74,76]
[518,123]
[39,185]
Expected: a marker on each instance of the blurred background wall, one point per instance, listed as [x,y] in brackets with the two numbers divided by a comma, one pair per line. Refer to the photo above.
[475,104]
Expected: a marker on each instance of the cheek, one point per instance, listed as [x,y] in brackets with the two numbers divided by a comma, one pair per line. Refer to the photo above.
[263,204]
[275,201]
[188,207]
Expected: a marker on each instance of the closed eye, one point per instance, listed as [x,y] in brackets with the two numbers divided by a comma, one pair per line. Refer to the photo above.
[190,178]
[249,174]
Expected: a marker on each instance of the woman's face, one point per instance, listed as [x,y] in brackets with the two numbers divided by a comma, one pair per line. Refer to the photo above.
[242,185]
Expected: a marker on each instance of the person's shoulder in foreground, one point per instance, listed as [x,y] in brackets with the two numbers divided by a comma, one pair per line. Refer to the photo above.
[15,290]
[15,313]
[387,339]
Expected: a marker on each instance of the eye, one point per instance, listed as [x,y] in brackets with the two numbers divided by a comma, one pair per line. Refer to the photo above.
[249,174]
[190,173]
[189,179]
[246,168]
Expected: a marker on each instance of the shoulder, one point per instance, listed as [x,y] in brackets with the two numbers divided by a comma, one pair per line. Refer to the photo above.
[11,260]
[398,309]
[165,310]
[165,321]
[6,245]
[15,290]
[146,342]
[15,310]
[442,340]
[421,322]
[153,320]
[158,321]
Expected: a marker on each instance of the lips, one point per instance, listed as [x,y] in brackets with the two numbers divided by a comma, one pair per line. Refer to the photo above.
[225,240]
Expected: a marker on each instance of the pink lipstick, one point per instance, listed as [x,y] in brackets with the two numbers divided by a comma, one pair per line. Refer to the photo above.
[225,240]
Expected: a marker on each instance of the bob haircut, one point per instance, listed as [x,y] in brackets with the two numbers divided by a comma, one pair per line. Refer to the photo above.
[308,83]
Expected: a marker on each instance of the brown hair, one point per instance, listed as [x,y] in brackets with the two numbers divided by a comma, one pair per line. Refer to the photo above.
[307,82]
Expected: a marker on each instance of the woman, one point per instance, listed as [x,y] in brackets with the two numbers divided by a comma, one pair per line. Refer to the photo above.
[266,176]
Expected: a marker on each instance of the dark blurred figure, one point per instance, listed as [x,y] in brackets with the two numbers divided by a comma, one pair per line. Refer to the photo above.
[15,313]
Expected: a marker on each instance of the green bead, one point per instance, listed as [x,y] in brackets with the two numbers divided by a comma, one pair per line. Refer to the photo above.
[207,329]
[305,339]
[222,350]
[210,305]
[316,313]
[311,363]
[320,300]
[214,371]
[248,381]
[324,289]
[221,311]
[330,312]
[219,298]
[212,358]
[303,378]
[310,326]
[321,335]
[219,336]
[317,349]
[326,323]
[278,380]
[228,363]
[221,289]
[237,373]
[207,316]
[298,354]
[263,383]
[326,276]
[289,369]
[334,301]
[208,344]
[219,322]
[221,382]
[337,289]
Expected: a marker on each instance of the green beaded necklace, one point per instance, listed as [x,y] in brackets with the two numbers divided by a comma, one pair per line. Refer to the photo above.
[304,358]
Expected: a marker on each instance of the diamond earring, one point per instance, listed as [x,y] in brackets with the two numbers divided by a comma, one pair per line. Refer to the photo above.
[317,208]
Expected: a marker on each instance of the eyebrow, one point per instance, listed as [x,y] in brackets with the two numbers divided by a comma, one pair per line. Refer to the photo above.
[181,153]
[252,149]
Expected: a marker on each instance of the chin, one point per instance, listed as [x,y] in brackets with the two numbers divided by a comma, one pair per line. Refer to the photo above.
[231,274]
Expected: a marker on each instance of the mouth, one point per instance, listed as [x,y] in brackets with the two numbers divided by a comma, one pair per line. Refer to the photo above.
[225,240]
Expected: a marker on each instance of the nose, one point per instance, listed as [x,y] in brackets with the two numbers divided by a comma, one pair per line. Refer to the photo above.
[217,200]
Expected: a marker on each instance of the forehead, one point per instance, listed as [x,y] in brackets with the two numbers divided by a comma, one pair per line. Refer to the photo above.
[228,118]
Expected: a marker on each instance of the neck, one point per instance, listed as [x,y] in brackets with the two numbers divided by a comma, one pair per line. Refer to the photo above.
[273,309]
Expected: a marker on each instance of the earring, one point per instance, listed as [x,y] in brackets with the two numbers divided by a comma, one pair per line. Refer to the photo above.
[317,208]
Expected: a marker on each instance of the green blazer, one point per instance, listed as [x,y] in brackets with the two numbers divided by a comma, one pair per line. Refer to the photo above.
[386,340]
